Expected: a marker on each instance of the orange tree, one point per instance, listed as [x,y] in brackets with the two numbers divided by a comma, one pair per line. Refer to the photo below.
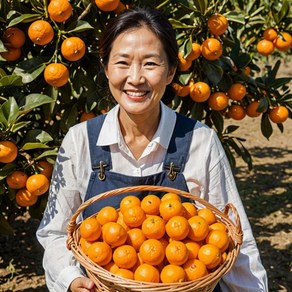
[51,78]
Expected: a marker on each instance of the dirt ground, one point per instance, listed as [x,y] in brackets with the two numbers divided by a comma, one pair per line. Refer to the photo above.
[266,192]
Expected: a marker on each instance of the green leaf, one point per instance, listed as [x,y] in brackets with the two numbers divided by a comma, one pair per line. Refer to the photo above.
[5,227]
[35,100]
[176,24]
[263,105]
[9,112]
[24,18]
[201,5]
[30,146]
[278,16]
[266,126]
[184,78]
[197,111]
[234,16]
[37,135]
[217,120]
[29,76]
[79,26]
[47,154]
[17,126]
[214,72]
[229,154]
[231,129]
[10,80]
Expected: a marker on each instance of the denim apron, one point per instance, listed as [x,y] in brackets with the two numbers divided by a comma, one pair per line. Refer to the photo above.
[103,180]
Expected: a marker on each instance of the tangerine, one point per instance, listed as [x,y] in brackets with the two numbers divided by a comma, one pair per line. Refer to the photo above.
[45,168]
[37,184]
[17,179]
[59,10]
[90,229]
[195,52]
[150,204]
[211,49]
[208,215]
[40,32]
[251,109]
[177,228]
[265,47]
[218,238]
[8,151]
[237,91]
[199,228]
[270,34]
[100,253]
[107,214]
[13,37]
[190,210]
[172,274]
[181,90]
[218,101]
[200,91]
[73,48]
[135,238]
[153,227]
[86,116]
[107,5]
[12,54]
[195,269]
[134,216]
[124,273]
[146,273]
[217,24]
[129,201]
[56,74]
[125,256]
[283,42]
[152,252]
[176,252]
[169,208]
[24,198]
[184,64]
[236,112]
[114,234]
[210,255]
[279,114]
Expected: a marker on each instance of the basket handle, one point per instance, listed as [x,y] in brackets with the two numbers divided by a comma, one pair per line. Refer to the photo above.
[235,229]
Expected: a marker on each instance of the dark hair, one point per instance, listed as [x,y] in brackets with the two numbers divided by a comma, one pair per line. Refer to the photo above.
[138,17]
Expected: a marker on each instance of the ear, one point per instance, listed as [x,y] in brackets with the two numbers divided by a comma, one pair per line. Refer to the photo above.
[171,73]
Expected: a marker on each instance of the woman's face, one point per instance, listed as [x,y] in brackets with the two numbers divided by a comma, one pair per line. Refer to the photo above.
[138,71]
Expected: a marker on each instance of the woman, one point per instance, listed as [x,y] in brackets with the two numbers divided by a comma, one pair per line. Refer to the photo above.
[140,141]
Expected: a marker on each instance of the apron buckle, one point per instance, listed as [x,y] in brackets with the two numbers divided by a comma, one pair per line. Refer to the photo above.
[172,171]
[101,174]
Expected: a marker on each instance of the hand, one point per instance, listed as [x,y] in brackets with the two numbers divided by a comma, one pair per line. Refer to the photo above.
[82,284]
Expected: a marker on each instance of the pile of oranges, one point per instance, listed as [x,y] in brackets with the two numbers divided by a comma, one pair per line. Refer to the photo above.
[157,240]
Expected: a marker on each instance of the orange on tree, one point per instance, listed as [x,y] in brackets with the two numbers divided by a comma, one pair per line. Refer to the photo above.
[41,32]
[210,255]
[124,273]
[181,90]
[85,116]
[195,269]
[217,24]
[170,208]
[8,151]
[279,114]
[251,109]
[147,273]
[56,74]
[283,42]
[125,256]
[236,91]
[195,52]
[13,37]
[120,9]
[200,91]
[37,184]
[12,54]
[24,198]
[59,10]
[172,274]
[218,238]
[134,216]
[153,227]
[150,204]
[270,34]
[190,210]
[211,49]
[152,252]
[129,201]
[208,215]
[90,229]
[176,252]
[100,253]
[265,47]
[73,48]
[236,112]
[184,64]
[17,179]
[114,234]
[135,238]
[177,228]
[45,168]
[218,101]
[199,228]
[107,214]
[107,5]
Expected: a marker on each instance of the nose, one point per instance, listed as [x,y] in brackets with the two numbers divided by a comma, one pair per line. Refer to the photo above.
[136,75]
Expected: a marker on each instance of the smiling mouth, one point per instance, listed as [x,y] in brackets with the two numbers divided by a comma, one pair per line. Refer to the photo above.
[136,94]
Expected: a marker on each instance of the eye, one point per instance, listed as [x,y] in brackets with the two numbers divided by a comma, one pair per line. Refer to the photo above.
[122,63]
[151,64]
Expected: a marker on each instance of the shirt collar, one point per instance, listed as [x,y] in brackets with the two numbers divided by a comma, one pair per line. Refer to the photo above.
[111,125]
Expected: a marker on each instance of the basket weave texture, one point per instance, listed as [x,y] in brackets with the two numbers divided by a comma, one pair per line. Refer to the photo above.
[108,282]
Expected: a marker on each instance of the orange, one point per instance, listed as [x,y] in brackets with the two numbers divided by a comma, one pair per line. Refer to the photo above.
[251,109]
[107,5]
[190,210]
[111,267]
[59,10]
[146,273]
[12,54]
[129,201]
[183,63]
[8,151]
[218,238]
[107,214]
[170,208]
[173,274]
[195,52]
[13,37]
[200,91]
[86,116]
[283,42]
[177,228]
[199,228]
[153,227]
[279,114]
[265,47]
[73,48]
[90,229]
[218,101]
[210,255]
[152,252]
[193,248]
[125,256]
[24,198]
[168,196]
[37,184]
[236,112]
[134,216]
[270,34]
[135,238]
[124,273]
[208,215]
[217,24]
[121,221]
[120,9]
[195,269]
[150,204]
[181,90]
[217,226]
[176,252]
[100,253]
[237,91]
[56,74]
[45,168]
[247,70]
[17,179]
[211,49]
[114,234]
[41,32]
[84,244]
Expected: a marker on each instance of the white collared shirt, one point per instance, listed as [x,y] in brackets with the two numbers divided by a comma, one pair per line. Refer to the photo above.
[207,173]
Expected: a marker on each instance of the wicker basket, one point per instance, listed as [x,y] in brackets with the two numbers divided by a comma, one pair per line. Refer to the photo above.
[106,281]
